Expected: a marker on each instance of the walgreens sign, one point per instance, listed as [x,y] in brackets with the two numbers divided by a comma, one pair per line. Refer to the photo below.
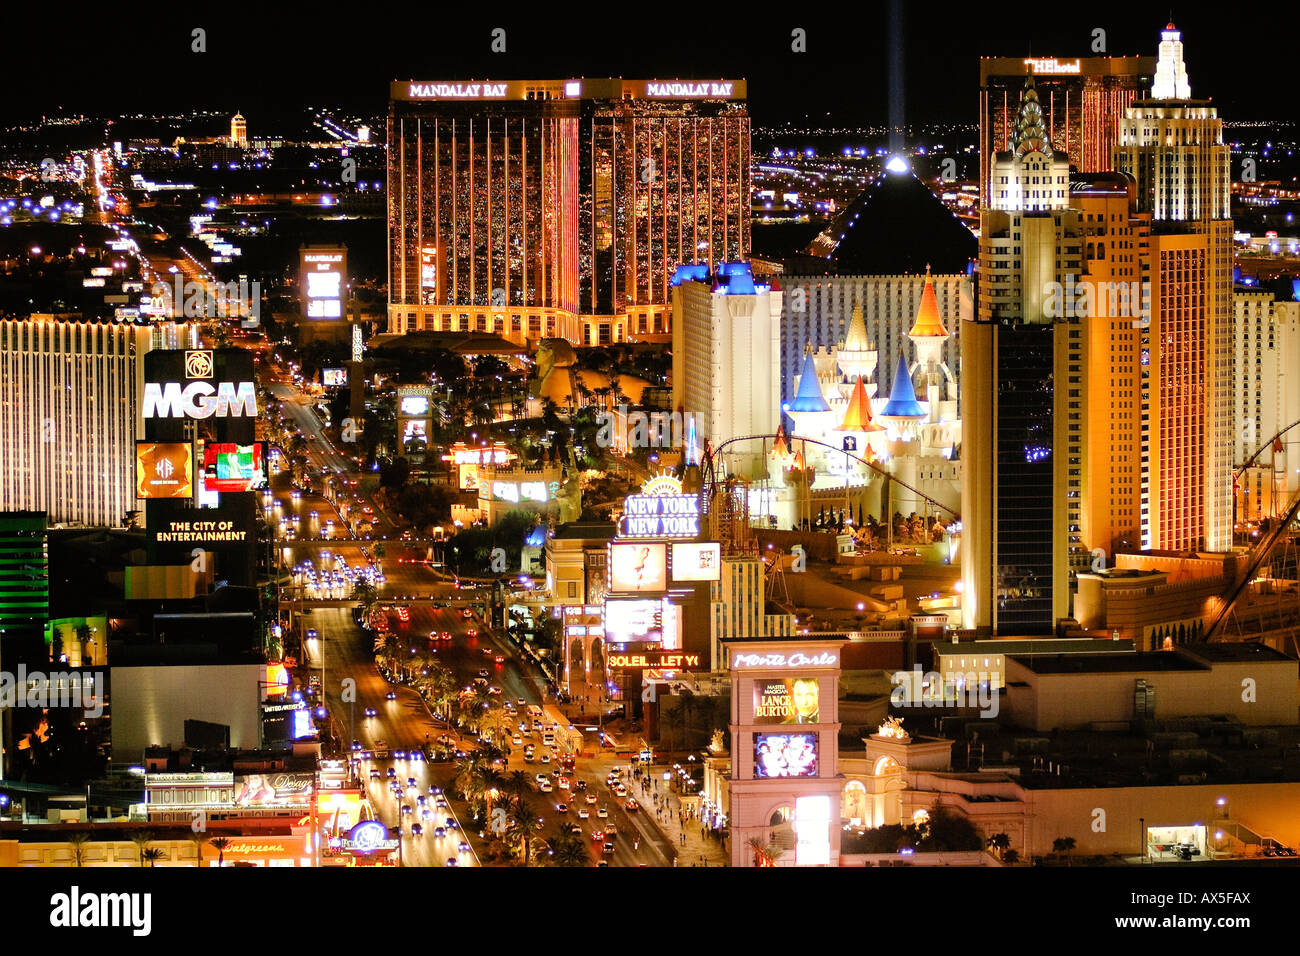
[199,400]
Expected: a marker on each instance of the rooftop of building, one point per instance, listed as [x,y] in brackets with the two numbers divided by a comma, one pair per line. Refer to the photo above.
[585,530]
[1033,646]
[896,226]
[461,343]
[1106,663]
[1209,750]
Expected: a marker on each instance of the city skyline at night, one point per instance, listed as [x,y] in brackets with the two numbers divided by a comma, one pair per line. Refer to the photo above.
[820,439]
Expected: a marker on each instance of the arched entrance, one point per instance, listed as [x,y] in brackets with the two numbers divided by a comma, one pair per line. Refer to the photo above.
[887,801]
[780,827]
[853,804]
[596,675]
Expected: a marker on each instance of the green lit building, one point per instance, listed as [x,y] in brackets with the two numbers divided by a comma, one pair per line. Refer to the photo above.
[24,588]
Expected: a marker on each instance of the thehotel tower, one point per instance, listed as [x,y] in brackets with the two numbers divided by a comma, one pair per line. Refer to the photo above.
[1083,100]
[1173,147]
[1021,478]
[560,207]
[70,417]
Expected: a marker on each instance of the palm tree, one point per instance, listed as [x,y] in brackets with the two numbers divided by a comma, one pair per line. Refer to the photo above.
[518,784]
[569,852]
[497,724]
[999,843]
[78,843]
[152,855]
[469,780]
[219,844]
[1011,857]
[199,839]
[759,848]
[525,825]
[141,839]
[1063,845]
[83,639]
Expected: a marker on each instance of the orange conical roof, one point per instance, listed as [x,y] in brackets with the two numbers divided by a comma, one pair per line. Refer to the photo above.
[780,448]
[857,417]
[928,324]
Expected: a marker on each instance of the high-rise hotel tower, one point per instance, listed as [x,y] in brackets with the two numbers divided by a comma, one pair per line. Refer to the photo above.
[1083,100]
[1172,145]
[1021,478]
[70,416]
[560,207]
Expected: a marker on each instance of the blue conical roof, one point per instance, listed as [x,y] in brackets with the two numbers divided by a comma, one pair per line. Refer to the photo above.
[809,397]
[902,398]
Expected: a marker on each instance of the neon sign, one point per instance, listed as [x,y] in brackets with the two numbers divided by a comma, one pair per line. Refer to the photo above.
[688,89]
[455,90]
[1052,66]
[199,400]
[775,659]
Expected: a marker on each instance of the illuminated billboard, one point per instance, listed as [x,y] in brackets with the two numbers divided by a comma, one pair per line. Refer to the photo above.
[785,755]
[633,622]
[415,429]
[414,405]
[232,467]
[641,566]
[334,377]
[661,511]
[812,827]
[273,789]
[794,700]
[532,490]
[323,280]
[164,470]
[697,562]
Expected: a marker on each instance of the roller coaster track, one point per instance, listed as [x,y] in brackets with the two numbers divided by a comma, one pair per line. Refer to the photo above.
[1259,554]
[713,453]
[1263,448]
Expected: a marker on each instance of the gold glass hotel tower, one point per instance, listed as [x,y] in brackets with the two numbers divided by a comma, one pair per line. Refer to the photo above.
[560,207]
[1173,148]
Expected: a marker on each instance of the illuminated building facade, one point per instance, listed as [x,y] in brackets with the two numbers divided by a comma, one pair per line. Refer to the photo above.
[1083,101]
[727,354]
[1112,379]
[560,207]
[785,780]
[1266,400]
[238,130]
[1022,472]
[889,306]
[70,417]
[1173,147]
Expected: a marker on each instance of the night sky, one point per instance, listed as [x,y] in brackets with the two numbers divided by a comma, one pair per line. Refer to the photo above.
[345,55]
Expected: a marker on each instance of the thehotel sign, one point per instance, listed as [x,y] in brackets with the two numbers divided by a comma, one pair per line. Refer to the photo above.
[1052,66]
[776,659]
